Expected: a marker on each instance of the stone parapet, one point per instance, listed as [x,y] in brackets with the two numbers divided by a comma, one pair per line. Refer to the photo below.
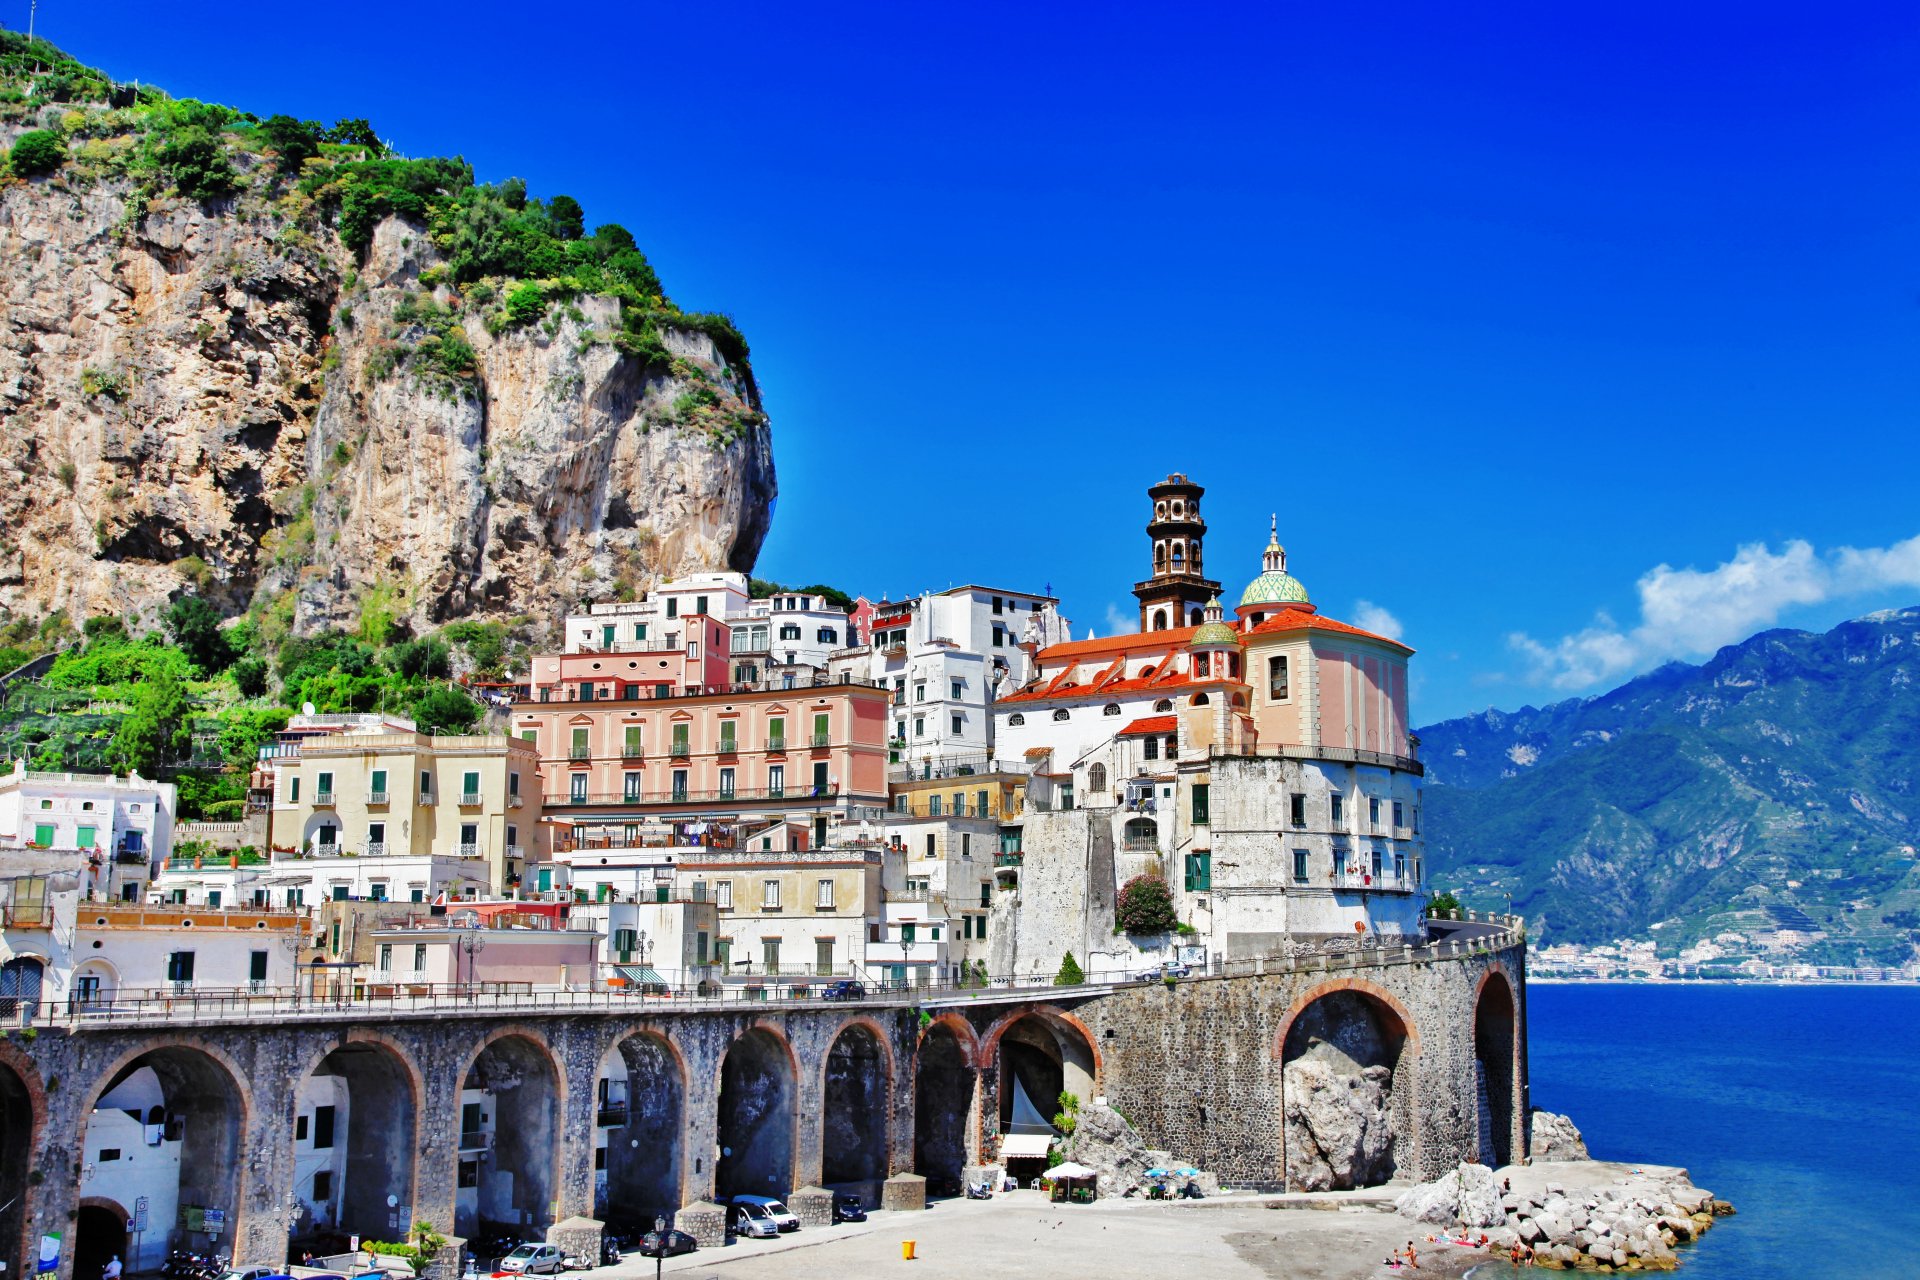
[904,1191]
[705,1221]
[579,1237]
[813,1206]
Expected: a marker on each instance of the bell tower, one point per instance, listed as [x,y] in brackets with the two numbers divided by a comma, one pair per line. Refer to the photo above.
[1178,591]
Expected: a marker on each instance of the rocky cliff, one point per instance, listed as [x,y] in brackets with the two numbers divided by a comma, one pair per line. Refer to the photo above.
[220,392]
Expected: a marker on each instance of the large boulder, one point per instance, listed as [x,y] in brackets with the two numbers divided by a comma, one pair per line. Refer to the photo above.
[1104,1141]
[1556,1139]
[1470,1196]
[1339,1127]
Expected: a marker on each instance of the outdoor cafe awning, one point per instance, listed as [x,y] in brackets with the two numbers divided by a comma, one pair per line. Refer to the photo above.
[640,977]
[1015,1146]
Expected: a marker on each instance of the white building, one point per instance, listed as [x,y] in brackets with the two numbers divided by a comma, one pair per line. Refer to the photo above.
[296,881]
[127,821]
[790,629]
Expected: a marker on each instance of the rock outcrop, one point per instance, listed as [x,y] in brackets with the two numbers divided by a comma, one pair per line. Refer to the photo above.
[1469,1196]
[1339,1126]
[217,394]
[1555,1138]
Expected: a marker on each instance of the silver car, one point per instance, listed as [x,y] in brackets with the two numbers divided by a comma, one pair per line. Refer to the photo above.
[534,1260]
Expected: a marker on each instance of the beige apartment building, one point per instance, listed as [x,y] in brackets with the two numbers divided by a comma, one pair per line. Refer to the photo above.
[382,794]
[787,920]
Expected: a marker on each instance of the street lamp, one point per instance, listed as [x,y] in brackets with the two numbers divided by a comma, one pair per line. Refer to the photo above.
[472,945]
[660,1243]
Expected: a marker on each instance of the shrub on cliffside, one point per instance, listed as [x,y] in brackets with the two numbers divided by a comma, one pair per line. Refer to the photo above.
[1145,906]
[1070,974]
[39,151]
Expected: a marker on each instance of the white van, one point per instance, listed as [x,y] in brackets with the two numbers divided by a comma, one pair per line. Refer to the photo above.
[783,1218]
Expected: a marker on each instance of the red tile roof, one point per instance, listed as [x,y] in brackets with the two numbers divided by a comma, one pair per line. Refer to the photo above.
[1130,643]
[1296,619]
[1151,725]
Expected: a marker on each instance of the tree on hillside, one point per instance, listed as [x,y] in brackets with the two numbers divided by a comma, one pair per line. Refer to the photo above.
[568,218]
[1145,906]
[1070,974]
[444,710]
[156,727]
[38,151]
[195,626]
[297,141]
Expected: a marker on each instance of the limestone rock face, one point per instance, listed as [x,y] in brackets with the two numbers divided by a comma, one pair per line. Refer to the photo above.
[210,394]
[1469,1196]
[1339,1129]
[1555,1138]
[1103,1140]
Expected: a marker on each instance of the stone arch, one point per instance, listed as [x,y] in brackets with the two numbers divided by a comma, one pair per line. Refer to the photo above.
[1040,1053]
[1349,1084]
[757,1115]
[646,1131]
[512,1108]
[99,1234]
[374,1087]
[946,1082]
[1496,1065]
[22,1113]
[856,1095]
[186,1104]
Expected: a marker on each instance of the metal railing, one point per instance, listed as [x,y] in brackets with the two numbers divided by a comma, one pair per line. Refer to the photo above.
[776,744]
[688,796]
[469,798]
[658,691]
[376,797]
[579,753]
[1339,755]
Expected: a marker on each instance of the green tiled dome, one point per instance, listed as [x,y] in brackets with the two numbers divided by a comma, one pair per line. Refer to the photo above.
[1215,633]
[1274,588]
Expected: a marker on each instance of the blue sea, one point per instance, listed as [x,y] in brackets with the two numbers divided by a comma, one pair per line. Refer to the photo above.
[1801,1105]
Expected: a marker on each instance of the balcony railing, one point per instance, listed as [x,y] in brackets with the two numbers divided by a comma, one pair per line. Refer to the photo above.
[515,851]
[323,799]
[376,797]
[686,796]
[579,753]
[729,747]
[1361,878]
[469,798]
[1009,859]
[514,801]
[1339,755]
[31,916]
[680,750]
[776,744]
[376,848]
[475,1140]
[611,1115]
[821,740]
[1139,844]
[467,850]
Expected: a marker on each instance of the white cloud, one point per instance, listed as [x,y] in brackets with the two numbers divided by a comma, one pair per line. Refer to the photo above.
[1120,622]
[1371,617]
[1685,612]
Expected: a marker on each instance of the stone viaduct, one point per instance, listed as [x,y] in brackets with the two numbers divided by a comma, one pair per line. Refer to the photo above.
[733,1098]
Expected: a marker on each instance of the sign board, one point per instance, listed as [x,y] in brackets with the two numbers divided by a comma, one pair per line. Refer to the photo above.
[140,1213]
[49,1252]
[214,1218]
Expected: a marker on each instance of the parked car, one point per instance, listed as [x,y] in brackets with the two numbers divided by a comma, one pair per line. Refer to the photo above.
[844,990]
[667,1244]
[1165,969]
[783,1217]
[848,1209]
[751,1220]
[253,1273]
[533,1260]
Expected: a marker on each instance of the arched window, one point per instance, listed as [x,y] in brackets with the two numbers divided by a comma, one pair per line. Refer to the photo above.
[1178,506]
[1179,556]
[1096,778]
[1160,510]
[1193,618]
[1159,555]
[1199,700]
[1193,554]
[1111,709]
[1201,662]
[1159,619]
[1015,720]
[1165,704]
[1061,714]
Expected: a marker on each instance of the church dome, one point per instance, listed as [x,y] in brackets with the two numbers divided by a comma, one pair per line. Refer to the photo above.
[1274,586]
[1212,629]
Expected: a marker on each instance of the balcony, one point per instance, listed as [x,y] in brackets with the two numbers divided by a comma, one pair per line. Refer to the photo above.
[1009,859]
[729,747]
[469,799]
[579,753]
[633,753]
[820,740]
[610,1115]
[679,750]
[776,744]
[515,852]
[131,857]
[467,850]
[1139,844]
[323,799]
[681,795]
[514,801]
[1386,881]
[376,797]
[31,915]
[376,848]
[475,1140]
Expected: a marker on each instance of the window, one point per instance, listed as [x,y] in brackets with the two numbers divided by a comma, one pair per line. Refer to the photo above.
[980,804]
[900,803]
[999,637]
[322,1128]
[770,954]
[700,604]
[776,781]
[1096,778]
[1277,679]
[673,607]
[1111,709]
[1299,866]
[1297,809]
[1373,810]
[822,730]
[823,956]
[256,966]
[770,895]
[1338,803]
[386,957]
[919,726]
[1061,714]
[729,741]
[180,966]
[996,605]
[419,957]
[630,786]
[823,895]
[958,689]
[959,724]
[827,635]
[1164,705]
[323,1185]
[469,1175]
[376,837]
[789,631]
[377,786]
[378,891]
[919,691]
[726,784]
[986,897]
[680,785]
[1015,720]
[577,788]
[470,788]
[723,894]
[469,839]
[1199,804]
[700,947]
[293,788]
[934,807]
[1199,870]
[426,786]
[1378,858]
[1399,814]
[630,741]
[777,733]
[86,838]
[1150,749]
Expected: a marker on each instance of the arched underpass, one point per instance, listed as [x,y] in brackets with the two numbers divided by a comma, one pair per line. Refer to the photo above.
[944,1085]
[1493,1053]
[16,1158]
[510,1131]
[854,1112]
[644,1136]
[354,1142]
[1346,1089]
[166,1127]
[756,1117]
[1040,1058]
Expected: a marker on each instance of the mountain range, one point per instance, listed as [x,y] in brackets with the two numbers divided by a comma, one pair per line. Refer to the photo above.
[1769,792]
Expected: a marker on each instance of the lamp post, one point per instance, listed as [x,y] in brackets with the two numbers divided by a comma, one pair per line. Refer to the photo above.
[644,946]
[472,945]
[660,1240]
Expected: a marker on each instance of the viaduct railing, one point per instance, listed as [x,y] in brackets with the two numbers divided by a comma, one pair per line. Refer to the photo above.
[1477,933]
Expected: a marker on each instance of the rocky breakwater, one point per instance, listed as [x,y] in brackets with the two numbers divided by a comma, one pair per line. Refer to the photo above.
[1582,1214]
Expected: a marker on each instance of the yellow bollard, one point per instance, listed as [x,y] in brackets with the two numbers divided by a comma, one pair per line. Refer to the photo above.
[906,1250]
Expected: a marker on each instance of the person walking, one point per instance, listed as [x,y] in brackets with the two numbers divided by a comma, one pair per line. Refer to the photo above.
[113,1269]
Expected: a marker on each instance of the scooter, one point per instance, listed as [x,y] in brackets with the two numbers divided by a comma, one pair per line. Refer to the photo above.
[979,1191]
[574,1262]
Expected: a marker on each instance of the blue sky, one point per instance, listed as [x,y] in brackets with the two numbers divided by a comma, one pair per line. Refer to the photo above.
[1501,310]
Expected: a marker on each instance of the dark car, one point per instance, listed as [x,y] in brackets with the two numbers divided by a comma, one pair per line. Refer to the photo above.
[843,991]
[666,1244]
[848,1209]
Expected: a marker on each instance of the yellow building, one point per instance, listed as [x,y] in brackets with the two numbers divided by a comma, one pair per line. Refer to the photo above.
[380,794]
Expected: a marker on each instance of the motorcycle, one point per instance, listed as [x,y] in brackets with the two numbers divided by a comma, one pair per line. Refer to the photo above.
[979,1190]
[574,1262]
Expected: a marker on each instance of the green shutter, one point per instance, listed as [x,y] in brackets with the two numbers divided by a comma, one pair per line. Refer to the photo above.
[43,834]
[1199,804]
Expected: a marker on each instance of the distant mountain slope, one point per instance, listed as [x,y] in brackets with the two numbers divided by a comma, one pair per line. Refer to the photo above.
[1775,786]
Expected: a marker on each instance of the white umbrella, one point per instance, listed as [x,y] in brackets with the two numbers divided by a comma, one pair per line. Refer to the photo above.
[1072,1170]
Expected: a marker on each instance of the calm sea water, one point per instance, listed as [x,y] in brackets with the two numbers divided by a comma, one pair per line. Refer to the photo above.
[1801,1105]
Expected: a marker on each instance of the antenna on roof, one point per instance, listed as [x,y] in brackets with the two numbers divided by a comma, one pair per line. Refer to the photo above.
[306,708]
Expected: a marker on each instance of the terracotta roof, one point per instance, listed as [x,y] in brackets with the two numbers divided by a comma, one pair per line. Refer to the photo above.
[1036,752]
[1296,619]
[1130,643]
[1151,724]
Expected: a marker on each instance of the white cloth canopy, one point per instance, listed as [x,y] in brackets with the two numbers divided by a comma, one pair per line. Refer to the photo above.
[1072,1170]
[1016,1146]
